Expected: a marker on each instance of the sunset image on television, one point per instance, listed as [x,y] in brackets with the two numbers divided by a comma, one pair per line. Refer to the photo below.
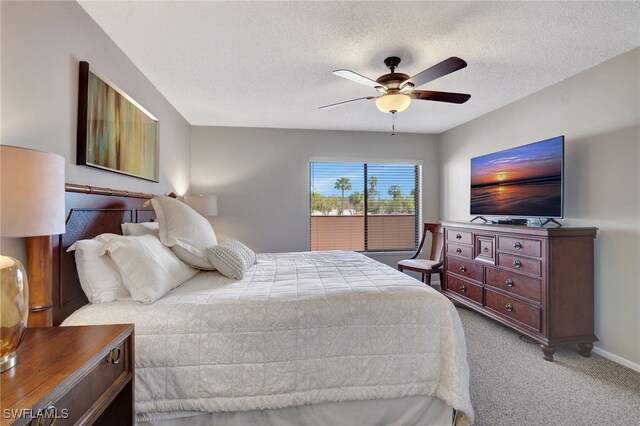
[523,181]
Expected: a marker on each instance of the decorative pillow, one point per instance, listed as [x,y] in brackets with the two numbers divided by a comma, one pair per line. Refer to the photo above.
[232,258]
[248,254]
[138,229]
[149,269]
[185,231]
[99,277]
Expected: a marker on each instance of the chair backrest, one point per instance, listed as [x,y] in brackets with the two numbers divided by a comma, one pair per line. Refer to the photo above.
[437,241]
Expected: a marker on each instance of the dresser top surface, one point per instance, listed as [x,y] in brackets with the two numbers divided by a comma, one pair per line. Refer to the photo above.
[564,231]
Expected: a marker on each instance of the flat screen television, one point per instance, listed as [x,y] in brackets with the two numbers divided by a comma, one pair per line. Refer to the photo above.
[526,181]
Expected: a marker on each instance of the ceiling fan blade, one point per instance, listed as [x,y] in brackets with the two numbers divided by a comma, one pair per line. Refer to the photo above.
[439,70]
[346,102]
[350,75]
[427,95]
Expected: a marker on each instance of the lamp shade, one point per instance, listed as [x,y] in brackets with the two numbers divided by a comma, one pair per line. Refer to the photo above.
[206,205]
[393,102]
[31,193]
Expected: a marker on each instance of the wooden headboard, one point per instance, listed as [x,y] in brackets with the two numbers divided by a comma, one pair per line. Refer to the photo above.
[90,211]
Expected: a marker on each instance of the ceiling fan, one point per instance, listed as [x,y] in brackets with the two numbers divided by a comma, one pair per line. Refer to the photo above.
[397,88]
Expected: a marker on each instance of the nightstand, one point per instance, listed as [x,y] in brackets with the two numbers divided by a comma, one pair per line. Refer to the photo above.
[77,375]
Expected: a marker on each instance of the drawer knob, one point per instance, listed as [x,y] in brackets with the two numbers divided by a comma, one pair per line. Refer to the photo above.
[463,269]
[113,356]
[509,282]
[509,307]
[463,289]
[486,249]
[517,263]
[517,245]
[458,250]
[458,237]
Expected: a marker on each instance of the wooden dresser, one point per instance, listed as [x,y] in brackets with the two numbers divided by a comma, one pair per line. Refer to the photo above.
[538,281]
[71,375]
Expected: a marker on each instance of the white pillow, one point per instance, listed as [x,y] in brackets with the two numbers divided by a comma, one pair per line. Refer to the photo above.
[138,229]
[232,258]
[99,278]
[148,269]
[185,231]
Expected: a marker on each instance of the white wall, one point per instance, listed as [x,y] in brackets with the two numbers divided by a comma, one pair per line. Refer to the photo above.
[598,111]
[261,177]
[41,45]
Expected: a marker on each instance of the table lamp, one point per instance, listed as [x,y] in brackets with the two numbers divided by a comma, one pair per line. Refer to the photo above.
[206,205]
[31,205]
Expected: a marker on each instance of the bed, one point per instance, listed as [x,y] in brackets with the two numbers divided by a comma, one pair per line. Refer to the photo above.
[304,338]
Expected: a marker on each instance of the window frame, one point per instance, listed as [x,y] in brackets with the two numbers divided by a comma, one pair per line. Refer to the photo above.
[365,164]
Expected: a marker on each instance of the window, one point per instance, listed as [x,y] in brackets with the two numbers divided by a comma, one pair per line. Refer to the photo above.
[364,206]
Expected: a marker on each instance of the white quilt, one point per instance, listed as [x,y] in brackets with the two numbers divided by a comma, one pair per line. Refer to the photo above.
[300,328]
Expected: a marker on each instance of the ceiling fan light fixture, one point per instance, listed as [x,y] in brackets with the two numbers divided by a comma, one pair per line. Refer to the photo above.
[395,102]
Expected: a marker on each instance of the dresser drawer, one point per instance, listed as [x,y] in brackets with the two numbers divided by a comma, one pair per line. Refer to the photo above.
[520,264]
[520,246]
[463,237]
[466,268]
[464,288]
[514,309]
[512,282]
[110,372]
[460,250]
[485,249]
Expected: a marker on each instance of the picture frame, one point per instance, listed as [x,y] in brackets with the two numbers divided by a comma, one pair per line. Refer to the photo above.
[115,133]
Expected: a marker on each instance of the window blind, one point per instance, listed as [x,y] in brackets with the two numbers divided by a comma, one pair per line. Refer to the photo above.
[364,206]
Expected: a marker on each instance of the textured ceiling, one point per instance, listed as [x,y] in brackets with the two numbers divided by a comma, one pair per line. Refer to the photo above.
[268,64]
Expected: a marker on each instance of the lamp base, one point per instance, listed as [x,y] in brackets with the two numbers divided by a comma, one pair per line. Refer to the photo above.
[8,361]
[14,295]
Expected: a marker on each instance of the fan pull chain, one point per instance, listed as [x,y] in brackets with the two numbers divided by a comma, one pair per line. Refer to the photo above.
[393,124]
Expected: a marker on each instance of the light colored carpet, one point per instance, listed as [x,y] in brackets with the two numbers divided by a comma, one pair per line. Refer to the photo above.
[512,385]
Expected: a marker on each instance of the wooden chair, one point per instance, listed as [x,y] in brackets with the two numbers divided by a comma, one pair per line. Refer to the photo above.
[432,265]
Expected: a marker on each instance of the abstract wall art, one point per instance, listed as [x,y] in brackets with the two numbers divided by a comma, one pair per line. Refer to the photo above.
[115,133]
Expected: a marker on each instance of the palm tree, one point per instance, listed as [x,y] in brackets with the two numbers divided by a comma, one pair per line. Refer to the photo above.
[395,192]
[373,182]
[356,200]
[372,193]
[343,184]
[396,204]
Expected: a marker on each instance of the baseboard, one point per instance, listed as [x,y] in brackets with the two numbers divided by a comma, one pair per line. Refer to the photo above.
[616,358]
